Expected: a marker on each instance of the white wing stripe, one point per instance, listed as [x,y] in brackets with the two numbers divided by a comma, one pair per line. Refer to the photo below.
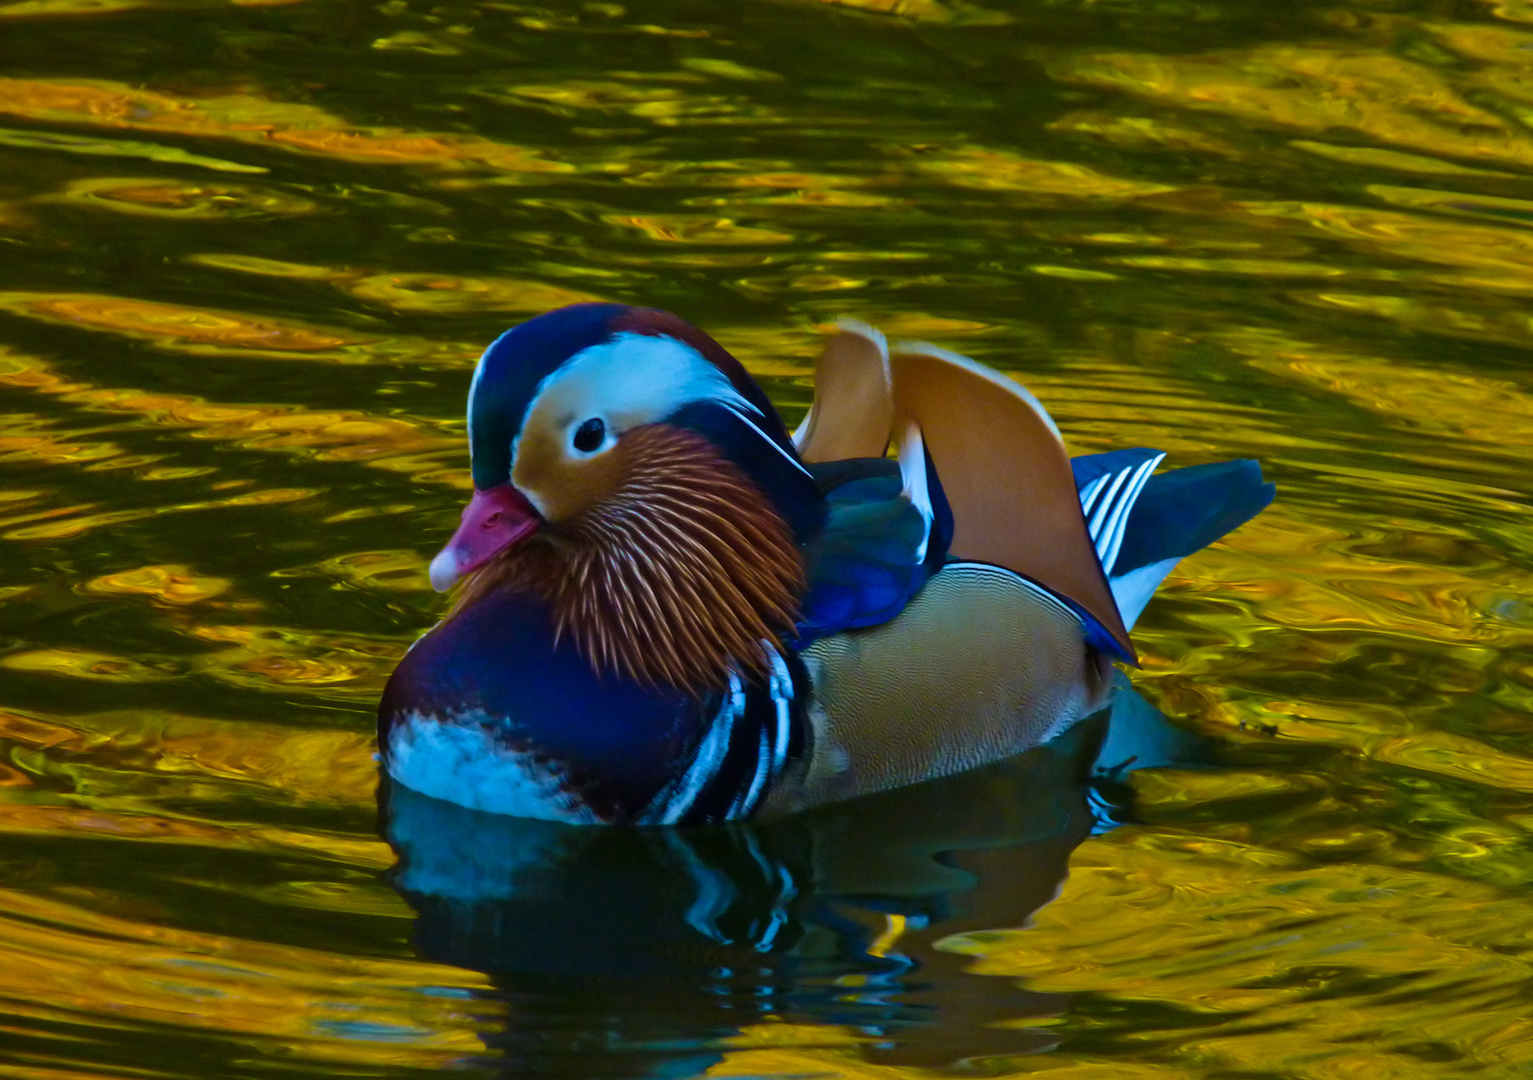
[913,473]
[1090,492]
[1126,501]
[1094,527]
[1109,506]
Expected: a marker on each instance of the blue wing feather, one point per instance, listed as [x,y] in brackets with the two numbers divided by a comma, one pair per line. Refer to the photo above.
[1142,525]
[1175,513]
[1109,486]
[863,566]
[1185,510]
[1089,467]
[866,564]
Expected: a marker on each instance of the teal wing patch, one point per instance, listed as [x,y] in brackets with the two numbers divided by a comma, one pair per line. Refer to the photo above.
[876,551]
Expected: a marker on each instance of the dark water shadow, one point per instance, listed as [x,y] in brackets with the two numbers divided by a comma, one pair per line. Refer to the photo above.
[630,953]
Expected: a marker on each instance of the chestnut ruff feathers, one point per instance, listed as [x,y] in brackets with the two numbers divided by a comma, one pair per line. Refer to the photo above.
[676,578]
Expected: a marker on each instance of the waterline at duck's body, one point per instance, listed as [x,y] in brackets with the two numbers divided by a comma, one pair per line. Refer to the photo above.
[674,613]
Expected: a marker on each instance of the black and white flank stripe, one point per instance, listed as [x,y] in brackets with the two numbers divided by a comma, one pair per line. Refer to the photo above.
[757,730]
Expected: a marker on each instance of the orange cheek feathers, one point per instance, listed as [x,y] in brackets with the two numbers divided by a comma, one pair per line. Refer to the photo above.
[563,487]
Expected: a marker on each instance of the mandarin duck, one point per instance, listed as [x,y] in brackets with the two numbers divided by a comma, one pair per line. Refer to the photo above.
[671,611]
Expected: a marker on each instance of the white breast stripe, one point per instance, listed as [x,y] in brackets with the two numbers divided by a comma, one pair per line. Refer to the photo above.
[745,803]
[782,697]
[772,749]
[672,804]
[677,799]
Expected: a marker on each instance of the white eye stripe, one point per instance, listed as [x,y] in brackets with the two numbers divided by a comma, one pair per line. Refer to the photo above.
[631,380]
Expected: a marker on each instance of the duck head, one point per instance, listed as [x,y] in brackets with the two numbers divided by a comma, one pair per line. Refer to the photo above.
[630,471]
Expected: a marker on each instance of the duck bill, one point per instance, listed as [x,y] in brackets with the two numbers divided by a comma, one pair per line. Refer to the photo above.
[493,520]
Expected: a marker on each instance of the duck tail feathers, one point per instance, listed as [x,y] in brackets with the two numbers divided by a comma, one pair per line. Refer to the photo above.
[1167,518]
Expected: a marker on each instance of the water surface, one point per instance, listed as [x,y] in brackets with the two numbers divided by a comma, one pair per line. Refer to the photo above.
[248,254]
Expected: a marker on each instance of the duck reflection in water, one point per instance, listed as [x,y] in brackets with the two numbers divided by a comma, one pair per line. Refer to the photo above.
[637,952]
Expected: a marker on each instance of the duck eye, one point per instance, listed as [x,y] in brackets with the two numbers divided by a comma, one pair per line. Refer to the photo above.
[589,435]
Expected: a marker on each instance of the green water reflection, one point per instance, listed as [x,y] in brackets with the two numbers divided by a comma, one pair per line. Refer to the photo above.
[248,253]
